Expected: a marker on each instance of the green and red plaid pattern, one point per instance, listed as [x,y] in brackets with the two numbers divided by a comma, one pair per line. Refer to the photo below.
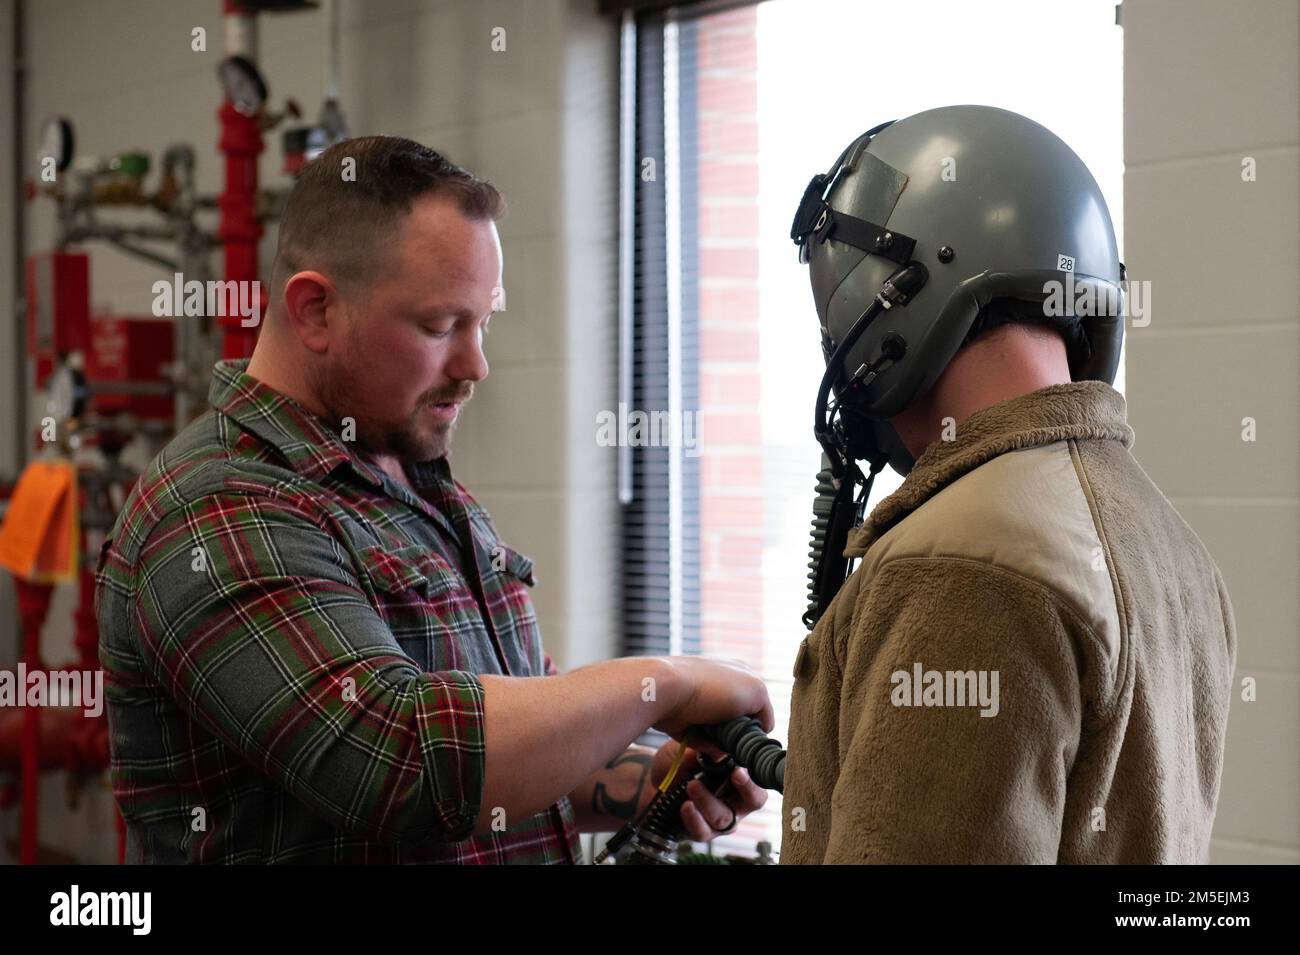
[291,641]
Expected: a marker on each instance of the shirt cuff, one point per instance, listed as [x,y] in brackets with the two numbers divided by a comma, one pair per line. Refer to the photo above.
[453,725]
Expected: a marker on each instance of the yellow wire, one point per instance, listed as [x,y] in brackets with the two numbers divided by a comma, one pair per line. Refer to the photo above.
[672,770]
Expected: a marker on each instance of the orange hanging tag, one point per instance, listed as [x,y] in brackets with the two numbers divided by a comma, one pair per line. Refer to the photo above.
[38,541]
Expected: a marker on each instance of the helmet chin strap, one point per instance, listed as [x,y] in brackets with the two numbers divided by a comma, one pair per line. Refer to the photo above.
[848,436]
[889,443]
[837,511]
[828,425]
[843,445]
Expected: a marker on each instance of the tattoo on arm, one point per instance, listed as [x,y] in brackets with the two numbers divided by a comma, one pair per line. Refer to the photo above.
[602,803]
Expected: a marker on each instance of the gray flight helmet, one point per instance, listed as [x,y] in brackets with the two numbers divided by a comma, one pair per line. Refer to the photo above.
[994,207]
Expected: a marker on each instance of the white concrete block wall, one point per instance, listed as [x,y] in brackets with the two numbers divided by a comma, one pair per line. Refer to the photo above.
[539,120]
[1208,83]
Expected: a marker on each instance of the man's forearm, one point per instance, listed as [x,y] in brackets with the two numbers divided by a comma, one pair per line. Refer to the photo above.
[547,737]
[615,793]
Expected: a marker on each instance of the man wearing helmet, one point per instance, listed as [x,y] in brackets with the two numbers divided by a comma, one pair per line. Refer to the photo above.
[1032,660]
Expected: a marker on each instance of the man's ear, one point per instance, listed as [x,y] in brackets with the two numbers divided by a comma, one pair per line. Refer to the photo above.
[308,298]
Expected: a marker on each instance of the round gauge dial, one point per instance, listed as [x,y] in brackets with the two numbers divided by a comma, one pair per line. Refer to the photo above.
[56,142]
[65,393]
[244,86]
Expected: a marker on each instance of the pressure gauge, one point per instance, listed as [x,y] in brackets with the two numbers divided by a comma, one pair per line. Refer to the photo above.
[65,392]
[244,86]
[56,143]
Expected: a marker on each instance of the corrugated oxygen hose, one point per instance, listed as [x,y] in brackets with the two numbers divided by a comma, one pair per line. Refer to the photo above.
[750,747]
[822,507]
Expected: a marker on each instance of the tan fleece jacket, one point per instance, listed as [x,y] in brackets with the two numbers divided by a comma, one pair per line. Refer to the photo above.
[1031,663]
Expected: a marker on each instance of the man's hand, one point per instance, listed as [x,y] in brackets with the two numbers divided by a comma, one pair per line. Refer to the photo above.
[708,690]
[704,815]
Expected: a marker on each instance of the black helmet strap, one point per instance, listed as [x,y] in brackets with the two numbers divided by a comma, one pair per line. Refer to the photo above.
[867,236]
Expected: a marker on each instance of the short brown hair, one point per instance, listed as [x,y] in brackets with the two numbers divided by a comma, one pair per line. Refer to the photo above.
[340,219]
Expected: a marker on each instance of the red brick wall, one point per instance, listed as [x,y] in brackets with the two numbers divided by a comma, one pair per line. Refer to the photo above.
[731,473]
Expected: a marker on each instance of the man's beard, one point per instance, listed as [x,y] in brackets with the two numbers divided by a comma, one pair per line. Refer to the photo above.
[410,440]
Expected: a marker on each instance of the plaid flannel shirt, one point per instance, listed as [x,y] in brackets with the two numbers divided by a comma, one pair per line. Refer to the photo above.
[291,641]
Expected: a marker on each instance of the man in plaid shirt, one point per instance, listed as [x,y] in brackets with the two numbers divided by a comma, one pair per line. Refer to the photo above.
[317,648]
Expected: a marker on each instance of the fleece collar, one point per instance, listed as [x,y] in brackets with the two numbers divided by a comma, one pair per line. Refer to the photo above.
[1078,410]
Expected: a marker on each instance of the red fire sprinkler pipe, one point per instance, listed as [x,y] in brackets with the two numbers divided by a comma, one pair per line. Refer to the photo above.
[239,229]
[41,739]
[33,606]
[89,736]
